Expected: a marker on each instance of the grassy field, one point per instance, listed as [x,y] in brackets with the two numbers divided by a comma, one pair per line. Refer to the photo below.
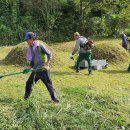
[97,102]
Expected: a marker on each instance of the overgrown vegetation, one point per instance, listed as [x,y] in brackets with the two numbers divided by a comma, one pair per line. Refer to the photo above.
[57,20]
[97,102]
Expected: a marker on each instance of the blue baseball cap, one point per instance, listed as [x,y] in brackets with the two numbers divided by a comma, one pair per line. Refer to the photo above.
[29,35]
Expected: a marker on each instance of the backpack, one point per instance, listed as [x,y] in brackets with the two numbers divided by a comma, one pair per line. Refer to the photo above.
[87,45]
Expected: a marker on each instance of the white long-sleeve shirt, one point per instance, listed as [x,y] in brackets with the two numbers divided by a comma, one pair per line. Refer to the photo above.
[79,42]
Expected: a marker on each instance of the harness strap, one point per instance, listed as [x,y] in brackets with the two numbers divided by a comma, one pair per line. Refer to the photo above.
[41,53]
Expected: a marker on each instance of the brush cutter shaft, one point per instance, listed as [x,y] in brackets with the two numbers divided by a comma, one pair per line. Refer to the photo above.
[1,76]
[34,70]
[12,74]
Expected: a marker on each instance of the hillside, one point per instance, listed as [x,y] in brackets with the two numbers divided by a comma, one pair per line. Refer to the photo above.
[97,102]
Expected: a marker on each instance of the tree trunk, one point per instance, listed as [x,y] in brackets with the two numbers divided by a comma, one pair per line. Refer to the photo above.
[81,5]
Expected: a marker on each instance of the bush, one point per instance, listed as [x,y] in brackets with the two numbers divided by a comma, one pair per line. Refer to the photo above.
[127,32]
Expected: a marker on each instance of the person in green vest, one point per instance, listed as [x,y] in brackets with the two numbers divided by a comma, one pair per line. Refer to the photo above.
[36,55]
[85,52]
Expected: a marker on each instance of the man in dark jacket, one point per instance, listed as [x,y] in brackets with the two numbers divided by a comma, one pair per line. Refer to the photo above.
[36,62]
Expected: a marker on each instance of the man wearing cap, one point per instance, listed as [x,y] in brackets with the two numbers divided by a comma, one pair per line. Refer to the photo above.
[85,52]
[37,63]
[125,41]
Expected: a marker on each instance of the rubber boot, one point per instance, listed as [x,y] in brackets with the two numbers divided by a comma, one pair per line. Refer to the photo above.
[129,68]
[90,72]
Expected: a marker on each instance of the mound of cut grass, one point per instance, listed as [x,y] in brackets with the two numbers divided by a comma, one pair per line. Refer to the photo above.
[112,52]
[18,55]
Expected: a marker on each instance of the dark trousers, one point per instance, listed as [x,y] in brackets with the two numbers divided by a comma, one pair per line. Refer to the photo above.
[85,56]
[45,77]
[125,46]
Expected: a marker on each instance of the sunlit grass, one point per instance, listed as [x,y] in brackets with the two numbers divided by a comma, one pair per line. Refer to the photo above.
[97,102]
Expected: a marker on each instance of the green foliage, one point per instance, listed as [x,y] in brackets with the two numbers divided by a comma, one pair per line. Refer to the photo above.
[112,25]
[70,116]
[57,20]
[67,23]
[127,32]
[94,26]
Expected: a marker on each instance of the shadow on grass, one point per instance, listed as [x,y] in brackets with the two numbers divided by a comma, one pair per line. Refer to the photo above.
[67,72]
[62,73]
[2,62]
[72,67]
[6,100]
[115,71]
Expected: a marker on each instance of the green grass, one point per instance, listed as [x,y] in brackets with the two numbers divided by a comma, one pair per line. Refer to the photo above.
[97,102]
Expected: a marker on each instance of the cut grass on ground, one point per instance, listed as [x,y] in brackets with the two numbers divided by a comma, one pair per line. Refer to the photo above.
[97,102]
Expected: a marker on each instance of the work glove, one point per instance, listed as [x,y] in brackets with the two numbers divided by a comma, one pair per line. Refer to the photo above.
[26,70]
[71,57]
[46,67]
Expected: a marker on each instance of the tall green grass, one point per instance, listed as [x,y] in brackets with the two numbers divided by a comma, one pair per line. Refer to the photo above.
[97,102]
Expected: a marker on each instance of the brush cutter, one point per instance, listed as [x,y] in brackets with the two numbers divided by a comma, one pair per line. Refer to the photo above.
[16,73]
